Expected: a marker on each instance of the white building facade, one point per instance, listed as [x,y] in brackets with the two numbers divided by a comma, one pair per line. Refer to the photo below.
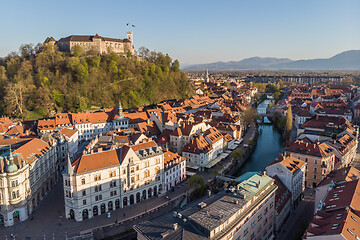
[122,177]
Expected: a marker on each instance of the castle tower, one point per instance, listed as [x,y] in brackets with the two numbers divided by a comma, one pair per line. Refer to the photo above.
[130,36]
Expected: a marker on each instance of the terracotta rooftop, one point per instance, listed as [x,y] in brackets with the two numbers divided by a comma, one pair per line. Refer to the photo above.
[322,122]
[33,150]
[213,135]
[170,157]
[340,175]
[315,149]
[198,145]
[68,132]
[91,162]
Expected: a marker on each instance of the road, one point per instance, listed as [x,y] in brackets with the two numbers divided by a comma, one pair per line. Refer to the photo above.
[48,220]
[303,214]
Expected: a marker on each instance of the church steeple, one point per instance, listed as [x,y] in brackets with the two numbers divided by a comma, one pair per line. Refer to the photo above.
[206,79]
[120,110]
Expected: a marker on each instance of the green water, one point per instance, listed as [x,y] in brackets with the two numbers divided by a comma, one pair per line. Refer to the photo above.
[268,147]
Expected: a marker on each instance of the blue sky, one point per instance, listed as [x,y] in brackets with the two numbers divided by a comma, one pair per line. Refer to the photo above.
[193,31]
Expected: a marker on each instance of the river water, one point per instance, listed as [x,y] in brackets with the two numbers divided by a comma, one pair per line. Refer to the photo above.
[268,147]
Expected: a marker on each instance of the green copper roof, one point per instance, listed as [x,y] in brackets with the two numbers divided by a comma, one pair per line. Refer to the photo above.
[11,167]
[252,183]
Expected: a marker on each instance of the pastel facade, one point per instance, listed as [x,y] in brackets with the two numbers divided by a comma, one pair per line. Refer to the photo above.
[25,176]
[122,177]
[319,159]
[174,169]
[291,172]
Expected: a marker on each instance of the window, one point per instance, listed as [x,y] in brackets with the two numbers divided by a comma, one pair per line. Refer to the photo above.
[84,192]
[350,231]
[112,174]
[158,161]
[271,205]
[315,162]
[259,217]
[84,202]
[132,180]
[137,177]
[113,184]
[246,232]
[83,181]
[253,223]
[252,235]
[98,188]
[97,177]
[314,176]
[113,193]
[124,171]
[137,168]
[132,170]
[98,197]
[266,210]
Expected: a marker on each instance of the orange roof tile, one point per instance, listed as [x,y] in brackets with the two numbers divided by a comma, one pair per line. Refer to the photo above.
[95,161]
[33,149]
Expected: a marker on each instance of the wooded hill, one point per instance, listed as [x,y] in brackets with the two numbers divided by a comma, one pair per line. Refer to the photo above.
[42,80]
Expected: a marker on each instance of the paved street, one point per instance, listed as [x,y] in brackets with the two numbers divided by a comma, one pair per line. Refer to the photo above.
[303,213]
[49,223]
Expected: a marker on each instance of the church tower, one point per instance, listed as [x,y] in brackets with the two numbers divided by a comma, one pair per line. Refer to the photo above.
[120,110]
[206,79]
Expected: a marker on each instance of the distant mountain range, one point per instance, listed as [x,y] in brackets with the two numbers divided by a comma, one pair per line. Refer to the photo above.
[348,60]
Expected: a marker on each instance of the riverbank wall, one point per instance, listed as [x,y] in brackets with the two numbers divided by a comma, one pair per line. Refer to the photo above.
[248,150]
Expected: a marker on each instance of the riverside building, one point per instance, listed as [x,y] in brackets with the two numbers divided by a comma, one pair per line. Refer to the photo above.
[246,212]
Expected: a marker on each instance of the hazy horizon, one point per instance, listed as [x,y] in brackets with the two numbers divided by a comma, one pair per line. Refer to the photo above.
[195,32]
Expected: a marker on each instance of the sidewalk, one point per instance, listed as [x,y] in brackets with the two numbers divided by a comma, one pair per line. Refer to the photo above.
[49,222]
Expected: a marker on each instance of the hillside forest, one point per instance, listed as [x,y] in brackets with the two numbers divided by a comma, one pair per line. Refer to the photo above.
[40,81]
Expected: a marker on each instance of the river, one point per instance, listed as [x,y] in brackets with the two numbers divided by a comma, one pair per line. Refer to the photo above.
[268,147]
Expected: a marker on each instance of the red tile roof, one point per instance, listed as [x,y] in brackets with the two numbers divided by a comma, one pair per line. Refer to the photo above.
[198,145]
[95,161]
[67,132]
[33,150]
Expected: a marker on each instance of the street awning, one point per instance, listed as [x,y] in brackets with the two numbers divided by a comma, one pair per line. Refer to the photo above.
[213,162]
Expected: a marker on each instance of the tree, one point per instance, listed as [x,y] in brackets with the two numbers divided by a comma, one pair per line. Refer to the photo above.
[197,182]
[237,153]
[289,120]
[27,50]
[249,116]
[77,51]
[14,99]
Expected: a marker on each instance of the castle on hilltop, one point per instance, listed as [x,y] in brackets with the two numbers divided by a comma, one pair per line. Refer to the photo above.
[88,42]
